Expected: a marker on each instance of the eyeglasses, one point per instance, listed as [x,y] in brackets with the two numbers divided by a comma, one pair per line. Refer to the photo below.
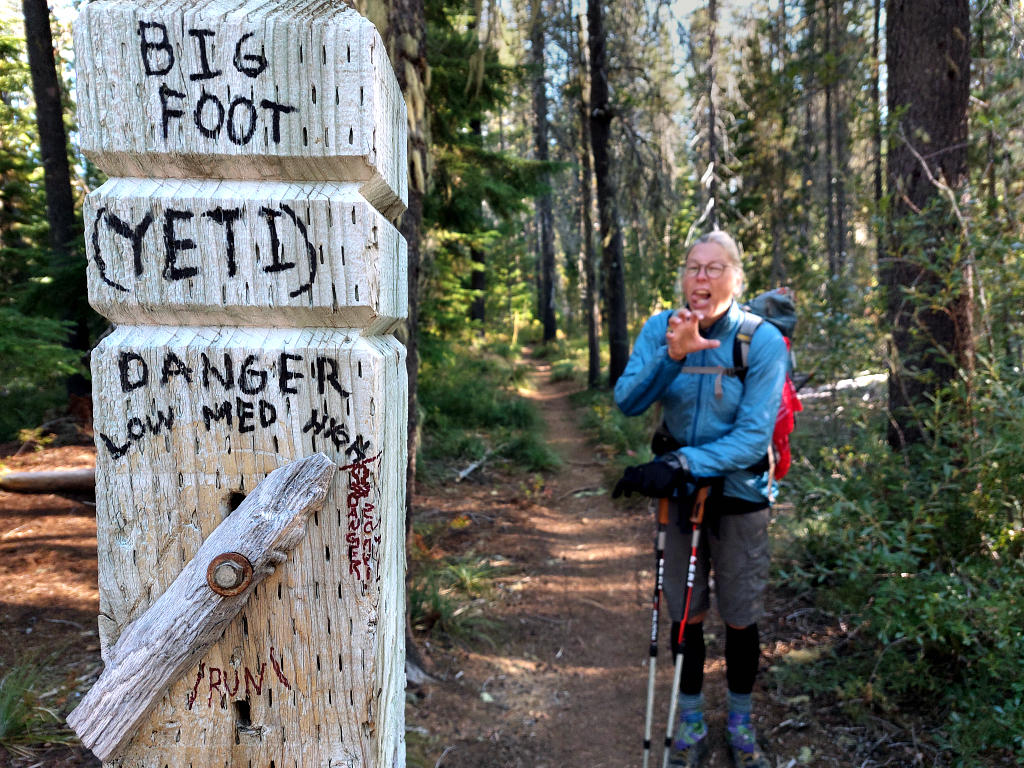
[713,270]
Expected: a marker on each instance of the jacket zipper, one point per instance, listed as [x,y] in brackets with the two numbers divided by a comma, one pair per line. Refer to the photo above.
[697,405]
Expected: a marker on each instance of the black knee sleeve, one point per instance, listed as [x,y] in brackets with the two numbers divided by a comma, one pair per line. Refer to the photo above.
[742,656]
[693,660]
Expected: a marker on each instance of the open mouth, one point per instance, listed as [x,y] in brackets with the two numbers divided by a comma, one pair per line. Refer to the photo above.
[698,298]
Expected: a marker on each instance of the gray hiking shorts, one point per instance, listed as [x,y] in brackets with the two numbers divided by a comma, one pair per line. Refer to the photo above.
[737,553]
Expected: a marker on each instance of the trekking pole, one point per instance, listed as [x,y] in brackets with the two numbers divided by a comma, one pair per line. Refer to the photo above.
[696,518]
[659,557]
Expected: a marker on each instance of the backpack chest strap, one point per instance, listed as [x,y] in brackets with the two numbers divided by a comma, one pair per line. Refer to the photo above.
[740,353]
[718,371]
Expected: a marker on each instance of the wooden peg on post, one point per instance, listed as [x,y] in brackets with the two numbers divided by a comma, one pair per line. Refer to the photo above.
[191,615]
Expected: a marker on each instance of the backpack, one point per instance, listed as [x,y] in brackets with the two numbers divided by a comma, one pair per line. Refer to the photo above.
[778,308]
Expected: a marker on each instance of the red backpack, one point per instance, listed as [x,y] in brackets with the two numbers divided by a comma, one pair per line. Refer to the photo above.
[777,307]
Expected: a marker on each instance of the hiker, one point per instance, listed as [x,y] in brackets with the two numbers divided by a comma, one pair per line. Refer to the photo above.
[716,429]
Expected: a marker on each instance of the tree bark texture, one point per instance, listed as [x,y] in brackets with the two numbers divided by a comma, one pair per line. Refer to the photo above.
[876,103]
[805,146]
[712,119]
[53,150]
[545,216]
[403,25]
[591,309]
[478,278]
[841,135]
[928,43]
[835,266]
[779,215]
[611,233]
[53,140]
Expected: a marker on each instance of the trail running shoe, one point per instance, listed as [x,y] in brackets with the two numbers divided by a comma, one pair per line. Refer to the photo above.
[743,747]
[689,744]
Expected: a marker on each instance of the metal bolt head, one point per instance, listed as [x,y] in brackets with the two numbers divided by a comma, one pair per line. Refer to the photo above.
[229,574]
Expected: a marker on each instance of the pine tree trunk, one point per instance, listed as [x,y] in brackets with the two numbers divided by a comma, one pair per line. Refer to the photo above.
[478,278]
[611,232]
[712,118]
[842,153]
[928,43]
[53,149]
[991,196]
[876,102]
[587,218]
[406,40]
[545,216]
[807,145]
[53,142]
[778,214]
[478,282]
[834,266]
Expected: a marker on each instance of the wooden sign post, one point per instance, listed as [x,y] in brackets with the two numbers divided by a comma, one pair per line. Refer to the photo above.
[244,248]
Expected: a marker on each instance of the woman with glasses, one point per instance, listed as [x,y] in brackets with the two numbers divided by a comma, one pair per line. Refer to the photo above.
[717,430]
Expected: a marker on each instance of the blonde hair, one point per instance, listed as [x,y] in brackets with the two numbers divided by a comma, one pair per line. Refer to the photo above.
[731,249]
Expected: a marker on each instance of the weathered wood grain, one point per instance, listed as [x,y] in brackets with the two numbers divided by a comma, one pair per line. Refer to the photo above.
[297,89]
[189,616]
[233,252]
[188,419]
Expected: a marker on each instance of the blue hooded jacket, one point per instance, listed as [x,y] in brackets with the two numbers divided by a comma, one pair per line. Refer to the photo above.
[721,437]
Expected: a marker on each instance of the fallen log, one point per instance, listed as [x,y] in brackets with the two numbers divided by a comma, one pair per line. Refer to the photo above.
[52,481]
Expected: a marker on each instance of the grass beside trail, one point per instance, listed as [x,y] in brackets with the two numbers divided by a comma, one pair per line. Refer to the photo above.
[471,411]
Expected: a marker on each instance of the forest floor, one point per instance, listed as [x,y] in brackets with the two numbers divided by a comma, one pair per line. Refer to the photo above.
[560,679]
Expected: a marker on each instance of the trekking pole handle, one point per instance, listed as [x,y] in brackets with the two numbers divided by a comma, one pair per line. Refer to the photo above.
[662,511]
[698,506]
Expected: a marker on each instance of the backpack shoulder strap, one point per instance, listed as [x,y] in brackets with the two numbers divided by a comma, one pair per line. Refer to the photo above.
[741,343]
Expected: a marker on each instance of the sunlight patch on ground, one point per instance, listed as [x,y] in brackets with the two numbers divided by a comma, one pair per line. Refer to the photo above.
[581,553]
[39,577]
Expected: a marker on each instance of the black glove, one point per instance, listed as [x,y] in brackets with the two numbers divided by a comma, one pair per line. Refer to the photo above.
[656,479]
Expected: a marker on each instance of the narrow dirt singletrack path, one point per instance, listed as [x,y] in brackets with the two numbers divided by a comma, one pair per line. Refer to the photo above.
[565,683]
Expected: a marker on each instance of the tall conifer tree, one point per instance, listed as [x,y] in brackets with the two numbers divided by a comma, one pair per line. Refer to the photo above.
[611,232]
[927,284]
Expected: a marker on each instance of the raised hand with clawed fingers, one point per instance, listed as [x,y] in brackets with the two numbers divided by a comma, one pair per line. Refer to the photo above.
[683,335]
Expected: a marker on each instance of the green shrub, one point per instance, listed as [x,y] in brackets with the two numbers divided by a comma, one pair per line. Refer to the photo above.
[921,549]
[531,453]
[35,364]
[625,438]
[471,409]
[567,370]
